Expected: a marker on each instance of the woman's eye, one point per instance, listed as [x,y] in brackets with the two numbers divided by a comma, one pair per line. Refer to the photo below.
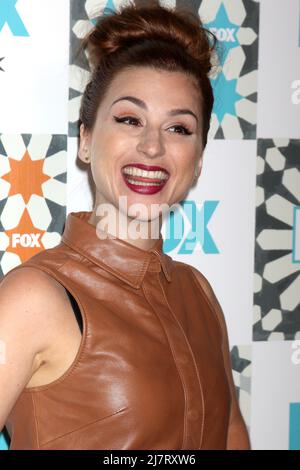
[186,131]
[126,118]
[132,119]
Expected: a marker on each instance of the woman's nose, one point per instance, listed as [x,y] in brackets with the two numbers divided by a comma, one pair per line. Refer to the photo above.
[151,143]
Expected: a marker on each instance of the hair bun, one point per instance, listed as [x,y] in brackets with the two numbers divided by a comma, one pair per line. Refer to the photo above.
[133,24]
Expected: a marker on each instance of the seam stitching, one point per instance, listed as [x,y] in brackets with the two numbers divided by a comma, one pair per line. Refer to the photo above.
[211,305]
[176,363]
[192,354]
[85,425]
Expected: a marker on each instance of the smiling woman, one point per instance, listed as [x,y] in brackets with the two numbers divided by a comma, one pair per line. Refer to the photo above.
[150,366]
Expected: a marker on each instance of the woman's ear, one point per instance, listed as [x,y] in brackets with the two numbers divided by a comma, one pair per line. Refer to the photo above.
[84,148]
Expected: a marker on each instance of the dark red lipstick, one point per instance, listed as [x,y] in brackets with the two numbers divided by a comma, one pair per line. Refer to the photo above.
[153,185]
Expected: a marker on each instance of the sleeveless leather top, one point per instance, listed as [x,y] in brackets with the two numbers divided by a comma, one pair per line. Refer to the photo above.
[153,369]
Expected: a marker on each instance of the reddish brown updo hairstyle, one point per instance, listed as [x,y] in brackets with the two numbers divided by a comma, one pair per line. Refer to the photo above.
[153,36]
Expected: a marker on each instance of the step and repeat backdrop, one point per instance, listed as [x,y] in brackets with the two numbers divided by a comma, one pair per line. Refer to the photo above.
[246,202]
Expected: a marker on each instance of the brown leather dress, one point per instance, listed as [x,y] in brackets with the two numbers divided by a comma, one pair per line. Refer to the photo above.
[153,369]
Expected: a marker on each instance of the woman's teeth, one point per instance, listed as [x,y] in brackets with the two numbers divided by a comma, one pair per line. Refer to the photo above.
[133,171]
[142,183]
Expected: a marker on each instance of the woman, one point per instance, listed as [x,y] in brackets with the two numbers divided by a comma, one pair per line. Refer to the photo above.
[147,366]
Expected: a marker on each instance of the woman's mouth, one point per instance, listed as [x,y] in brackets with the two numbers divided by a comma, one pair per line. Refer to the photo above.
[145,179]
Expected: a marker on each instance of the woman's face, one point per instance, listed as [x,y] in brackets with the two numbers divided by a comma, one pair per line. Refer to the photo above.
[144,130]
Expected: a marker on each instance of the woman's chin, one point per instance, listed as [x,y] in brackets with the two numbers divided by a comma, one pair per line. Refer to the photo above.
[144,216]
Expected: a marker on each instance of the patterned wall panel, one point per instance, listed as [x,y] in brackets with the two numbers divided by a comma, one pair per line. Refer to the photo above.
[32,195]
[277,260]
[235,87]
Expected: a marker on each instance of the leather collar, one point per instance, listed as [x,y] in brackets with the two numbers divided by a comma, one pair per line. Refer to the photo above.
[116,255]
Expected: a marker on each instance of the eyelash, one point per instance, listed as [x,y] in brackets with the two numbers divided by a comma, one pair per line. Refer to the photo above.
[121,120]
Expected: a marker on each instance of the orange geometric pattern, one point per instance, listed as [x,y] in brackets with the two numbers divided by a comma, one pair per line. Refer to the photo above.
[26,177]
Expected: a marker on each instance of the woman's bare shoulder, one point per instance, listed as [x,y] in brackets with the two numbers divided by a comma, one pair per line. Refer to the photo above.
[34,315]
[33,300]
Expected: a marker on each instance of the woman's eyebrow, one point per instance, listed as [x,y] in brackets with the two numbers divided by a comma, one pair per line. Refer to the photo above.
[143,105]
